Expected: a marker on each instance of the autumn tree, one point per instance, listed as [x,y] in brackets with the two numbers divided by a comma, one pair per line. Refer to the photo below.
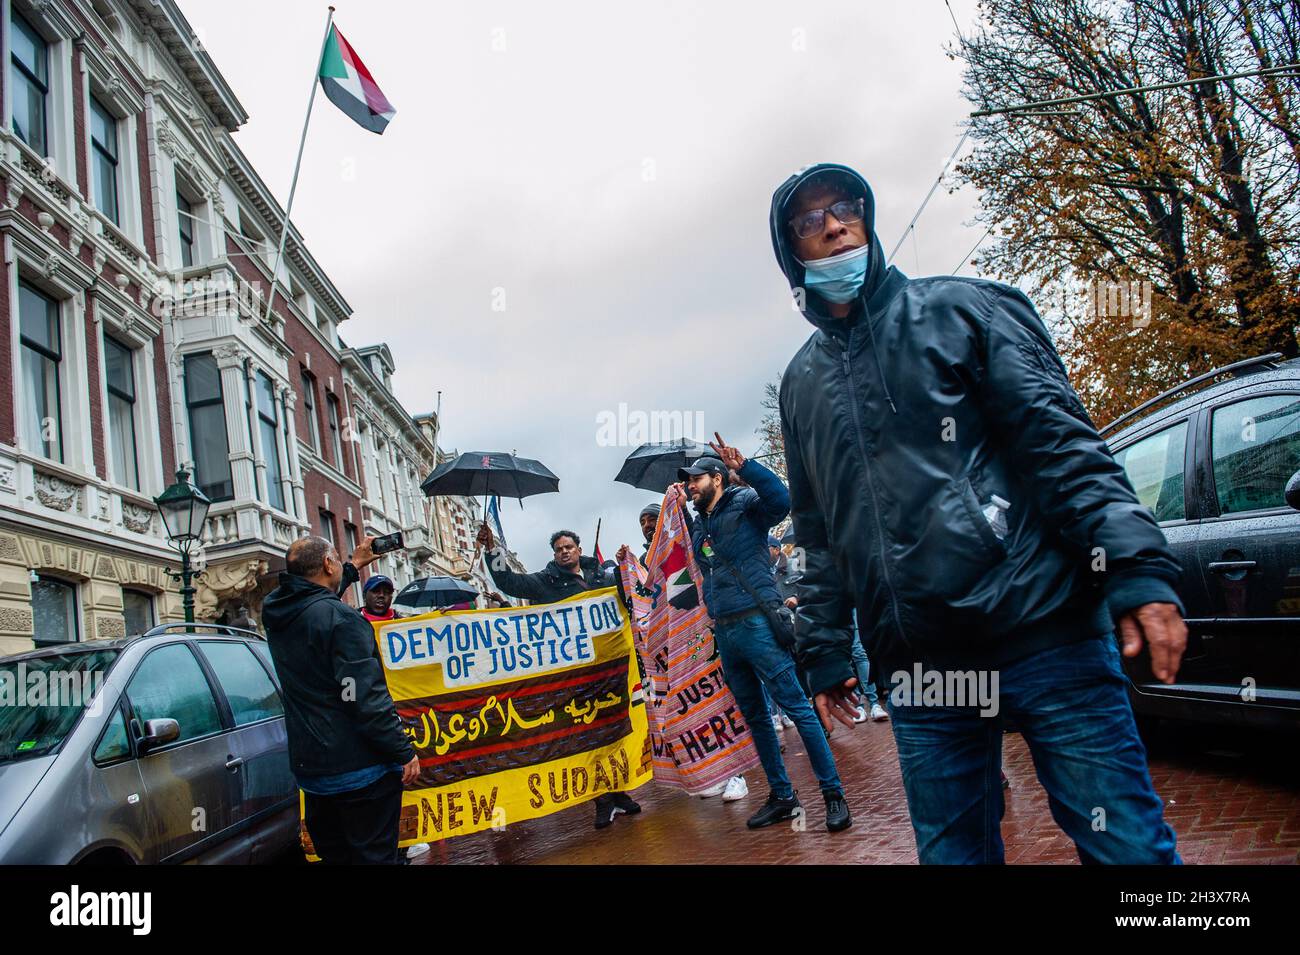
[1191,189]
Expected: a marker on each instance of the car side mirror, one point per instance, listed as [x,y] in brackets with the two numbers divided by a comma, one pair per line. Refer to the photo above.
[1292,492]
[159,733]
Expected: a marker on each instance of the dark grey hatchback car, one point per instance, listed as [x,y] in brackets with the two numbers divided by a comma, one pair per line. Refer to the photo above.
[1213,459]
[165,747]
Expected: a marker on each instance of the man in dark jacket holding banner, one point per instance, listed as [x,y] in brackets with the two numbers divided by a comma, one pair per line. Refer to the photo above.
[729,536]
[948,484]
[568,574]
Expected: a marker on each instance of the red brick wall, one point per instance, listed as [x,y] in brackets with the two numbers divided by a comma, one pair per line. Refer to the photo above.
[315,487]
[79,127]
[146,186]
[324,366]
[163,386]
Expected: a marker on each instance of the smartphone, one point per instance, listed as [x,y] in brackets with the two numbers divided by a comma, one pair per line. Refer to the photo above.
[389,542]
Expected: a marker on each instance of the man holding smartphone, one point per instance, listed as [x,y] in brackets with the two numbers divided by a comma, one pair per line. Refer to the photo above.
[347,748]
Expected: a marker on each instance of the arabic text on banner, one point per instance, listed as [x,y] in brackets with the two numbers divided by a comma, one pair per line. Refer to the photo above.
[515,713]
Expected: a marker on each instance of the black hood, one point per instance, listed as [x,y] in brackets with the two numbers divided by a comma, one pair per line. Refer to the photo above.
[585,564]
[294,595]
[877,271]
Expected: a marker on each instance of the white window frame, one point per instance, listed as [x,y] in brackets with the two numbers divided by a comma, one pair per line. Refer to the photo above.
[74,384]
[148,439]
[51,22]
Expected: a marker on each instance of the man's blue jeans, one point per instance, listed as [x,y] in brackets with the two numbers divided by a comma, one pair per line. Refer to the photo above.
[752,660]
[1071,706]
[862,667]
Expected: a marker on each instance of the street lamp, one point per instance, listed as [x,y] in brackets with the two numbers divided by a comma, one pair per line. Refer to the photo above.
[184,509]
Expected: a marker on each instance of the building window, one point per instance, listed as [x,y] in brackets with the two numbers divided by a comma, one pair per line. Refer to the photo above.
[185,216]
[54,611]
[327,528]
[137,608]
[30,63]
[207,414]
[309,407]
[103,157]
[350,530]
[336,439]
[121,412]
[268,426]
[42,351]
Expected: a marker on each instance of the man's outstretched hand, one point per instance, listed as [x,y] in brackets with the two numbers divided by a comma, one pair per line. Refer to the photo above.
[840,702]
[485,536]
[1160,626]
[730,456]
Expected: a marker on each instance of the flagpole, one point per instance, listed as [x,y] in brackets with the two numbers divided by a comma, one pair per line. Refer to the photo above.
[293,185]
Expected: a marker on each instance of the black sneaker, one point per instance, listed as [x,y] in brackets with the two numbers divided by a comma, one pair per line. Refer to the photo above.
[625,803]
[837,811]
[605,811]
[774,810]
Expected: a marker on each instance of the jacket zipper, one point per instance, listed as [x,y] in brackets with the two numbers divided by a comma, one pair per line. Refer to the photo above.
[871,487]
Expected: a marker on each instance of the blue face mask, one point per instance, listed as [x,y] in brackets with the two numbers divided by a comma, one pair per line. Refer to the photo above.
[838,278]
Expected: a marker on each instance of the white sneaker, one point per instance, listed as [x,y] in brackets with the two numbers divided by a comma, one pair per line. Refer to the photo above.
[714,791]
[737,788]
[777,724]
[861,715]
[878,713]
[419,849]
[786,721]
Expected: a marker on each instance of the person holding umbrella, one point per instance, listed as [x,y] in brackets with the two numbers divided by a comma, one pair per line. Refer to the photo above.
[568,574]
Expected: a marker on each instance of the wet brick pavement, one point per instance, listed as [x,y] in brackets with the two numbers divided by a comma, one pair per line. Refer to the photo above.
[1229,802]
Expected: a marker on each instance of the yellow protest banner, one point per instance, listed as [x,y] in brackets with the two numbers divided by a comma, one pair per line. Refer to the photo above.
[515,713]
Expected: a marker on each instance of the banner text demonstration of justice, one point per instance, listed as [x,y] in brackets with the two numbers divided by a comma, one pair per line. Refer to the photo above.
[492,645]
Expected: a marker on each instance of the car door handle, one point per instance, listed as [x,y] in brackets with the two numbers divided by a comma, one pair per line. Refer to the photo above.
[234,762]
[1224,566]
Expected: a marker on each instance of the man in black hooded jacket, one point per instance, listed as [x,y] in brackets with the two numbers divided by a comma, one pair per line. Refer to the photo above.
[347,748]
[947,482]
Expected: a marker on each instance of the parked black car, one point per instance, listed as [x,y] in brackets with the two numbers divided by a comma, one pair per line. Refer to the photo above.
[1212,458]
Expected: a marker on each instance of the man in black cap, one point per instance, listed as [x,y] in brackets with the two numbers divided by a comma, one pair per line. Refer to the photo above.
[729,535]
[648,518]
[949,485]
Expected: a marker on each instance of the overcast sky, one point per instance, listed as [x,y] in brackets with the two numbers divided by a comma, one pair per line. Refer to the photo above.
[608,167]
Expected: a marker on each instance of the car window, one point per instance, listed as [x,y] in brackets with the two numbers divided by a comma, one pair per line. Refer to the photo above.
[250,691]
[1154,466]
[1255,448]
[171,685]
[113,744]
[263,651]
[42,698]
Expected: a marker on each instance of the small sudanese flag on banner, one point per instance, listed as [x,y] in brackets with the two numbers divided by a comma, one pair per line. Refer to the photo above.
[349,85]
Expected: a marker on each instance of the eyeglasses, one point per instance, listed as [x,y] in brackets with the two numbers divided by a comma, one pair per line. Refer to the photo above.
[814,220]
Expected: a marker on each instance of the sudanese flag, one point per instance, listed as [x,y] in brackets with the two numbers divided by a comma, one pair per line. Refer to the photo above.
[349,85]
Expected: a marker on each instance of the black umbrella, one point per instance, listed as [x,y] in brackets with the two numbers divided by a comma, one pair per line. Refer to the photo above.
[490,472]
[652,467]
[436,592]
